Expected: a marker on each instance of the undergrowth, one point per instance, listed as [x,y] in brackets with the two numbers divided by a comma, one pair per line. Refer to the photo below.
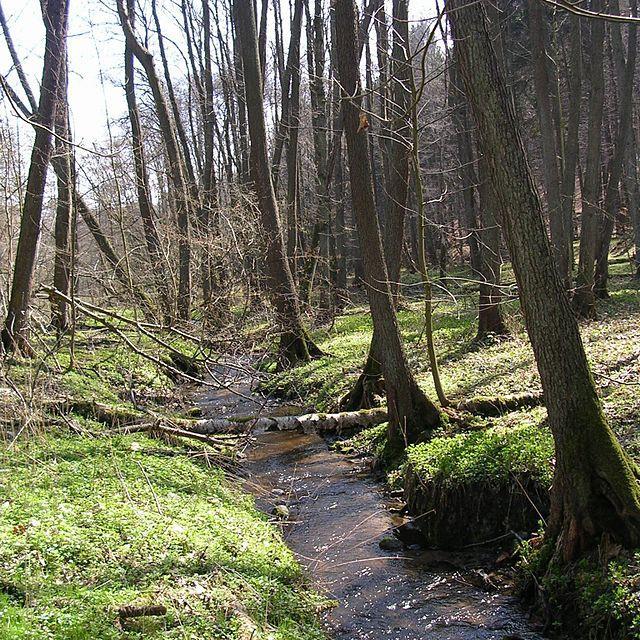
[91,525]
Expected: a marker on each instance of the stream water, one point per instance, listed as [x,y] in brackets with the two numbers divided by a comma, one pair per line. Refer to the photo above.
[337,518]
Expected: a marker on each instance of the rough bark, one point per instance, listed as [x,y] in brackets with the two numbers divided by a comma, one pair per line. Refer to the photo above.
[411,413]
[295,344]
[595,490]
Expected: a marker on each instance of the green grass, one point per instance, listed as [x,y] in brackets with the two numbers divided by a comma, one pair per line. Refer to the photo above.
[517,444]
[90,525]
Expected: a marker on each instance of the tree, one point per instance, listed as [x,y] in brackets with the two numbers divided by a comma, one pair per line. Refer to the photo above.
[625,72]
[584,299]
[55,15]
[181,192]
[65,220]
[595,490]
[295,344]
[551,154]
[147,213]
[411,413]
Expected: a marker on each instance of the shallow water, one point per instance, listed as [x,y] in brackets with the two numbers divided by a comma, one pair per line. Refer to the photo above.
[337,517]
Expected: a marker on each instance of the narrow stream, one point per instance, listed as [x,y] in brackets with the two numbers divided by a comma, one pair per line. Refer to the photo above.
[337,518]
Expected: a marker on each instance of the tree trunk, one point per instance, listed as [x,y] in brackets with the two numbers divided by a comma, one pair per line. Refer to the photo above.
[625,72]
[292,120]
[550,152]
[572,142]
[490,322]
[411,413]
[180,187]
[152,238]
[584,299]
[466,174]
[595,490]
[14,334]
[295,344]
[64,207]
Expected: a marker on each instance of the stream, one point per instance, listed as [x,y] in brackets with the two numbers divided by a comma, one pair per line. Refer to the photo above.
[337,516]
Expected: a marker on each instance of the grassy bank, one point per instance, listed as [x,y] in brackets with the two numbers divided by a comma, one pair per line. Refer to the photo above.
[92,522]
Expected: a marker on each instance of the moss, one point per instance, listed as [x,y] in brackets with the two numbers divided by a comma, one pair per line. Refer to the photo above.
[90,525]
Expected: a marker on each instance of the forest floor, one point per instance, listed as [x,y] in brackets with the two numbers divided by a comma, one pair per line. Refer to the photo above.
[93,521]
[96,524]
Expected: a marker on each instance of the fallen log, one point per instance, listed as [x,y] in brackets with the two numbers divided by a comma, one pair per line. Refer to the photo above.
[308,423]
[131,611]
[493,407]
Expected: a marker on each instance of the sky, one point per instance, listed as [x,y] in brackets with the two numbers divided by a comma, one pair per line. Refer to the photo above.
[96,46]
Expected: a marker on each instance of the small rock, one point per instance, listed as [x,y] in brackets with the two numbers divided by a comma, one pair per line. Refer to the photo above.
[389,543]
[411,534]
[281,511]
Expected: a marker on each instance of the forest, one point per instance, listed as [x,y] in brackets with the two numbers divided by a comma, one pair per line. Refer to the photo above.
[320,320]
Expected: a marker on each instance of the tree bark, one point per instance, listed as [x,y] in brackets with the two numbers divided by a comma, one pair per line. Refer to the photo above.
[295,344]
[411,413]
[14,334]
[595,490]
[584,301]
[625,72]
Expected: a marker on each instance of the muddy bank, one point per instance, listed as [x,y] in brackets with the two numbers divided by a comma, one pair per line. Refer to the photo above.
[337,517]
[453,517]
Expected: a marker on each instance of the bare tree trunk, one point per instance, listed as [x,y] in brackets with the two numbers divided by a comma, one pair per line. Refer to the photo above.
[595,490]
[625,72]
[180,186]
[411,413]
[572,141]
[460,117]
[292,62]
[292,119]
[550,153]
[147,213]
[295,344]
[316,64]
[64,207]
[584,299]
[490,320]
[14,334]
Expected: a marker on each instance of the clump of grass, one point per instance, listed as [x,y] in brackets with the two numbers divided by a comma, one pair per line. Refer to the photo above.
[90,525]
[490,455]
